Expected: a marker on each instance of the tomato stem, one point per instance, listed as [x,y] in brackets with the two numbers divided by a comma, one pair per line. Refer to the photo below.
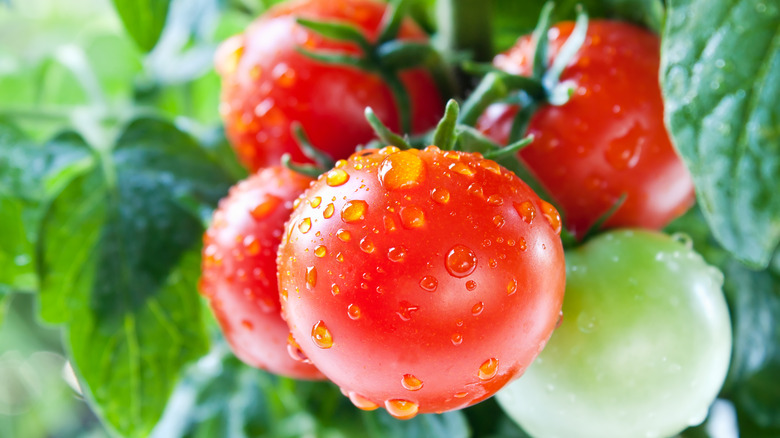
[444,136]
[466,25]
[322,159]
[384,133]
[304,169]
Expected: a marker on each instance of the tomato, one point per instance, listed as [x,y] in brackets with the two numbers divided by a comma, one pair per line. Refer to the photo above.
[239,269]
[421,281]
[643,348]
[609,139]
[267,84]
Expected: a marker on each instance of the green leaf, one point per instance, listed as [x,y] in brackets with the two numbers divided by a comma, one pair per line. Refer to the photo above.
[119,266]
[30,175]
[720,70]
[144,20]
[753,382]
[513,18]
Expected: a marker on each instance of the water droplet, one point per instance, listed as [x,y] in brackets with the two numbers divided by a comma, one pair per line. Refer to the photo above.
[478,308]
[488,369]
[441,196]
[361,402]
[304,225]
[401,409]
[411,383]
[461,261]
[354,211]
[315,202]
[263,209]
[511,287]
[429,283]
[389,223]
[321,251]
[401,170]
[340,257]
[471,285]
[683,239]
[624,152]
[252,245]
[336,177]
[499,220]
[461,394]
[397,254]
[343,235]
[405,313]
[495,200]
[456,339]
[284,75]
[353,311]
[475,189]
[334,289]
[586,323]
[321,335]
[366,245]
[328,211]
[553,217]
[311,277]
[294,350]
[412,217]
[490,166]
[526,210]
[462,169]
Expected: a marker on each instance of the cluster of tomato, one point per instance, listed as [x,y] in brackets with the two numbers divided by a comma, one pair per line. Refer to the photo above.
[426,280]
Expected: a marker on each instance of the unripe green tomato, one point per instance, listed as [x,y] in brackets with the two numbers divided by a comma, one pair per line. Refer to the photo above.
[643,348]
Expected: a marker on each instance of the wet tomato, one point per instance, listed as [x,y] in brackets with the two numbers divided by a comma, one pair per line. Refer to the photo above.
[267,84]
[609,139]
[643,349]
[239,269]
[421,281]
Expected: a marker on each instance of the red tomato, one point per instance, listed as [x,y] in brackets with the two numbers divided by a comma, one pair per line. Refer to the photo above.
[609,138]
[421,281]
[239,269]
[267,84]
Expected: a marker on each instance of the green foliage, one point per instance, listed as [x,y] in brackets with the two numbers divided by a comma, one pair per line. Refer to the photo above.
[720,64]
[119,267]
[143,20]
[220,396]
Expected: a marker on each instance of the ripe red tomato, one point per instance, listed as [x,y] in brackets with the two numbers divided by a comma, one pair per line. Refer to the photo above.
[239,269]
[609,138]
[267,84]
[421,281]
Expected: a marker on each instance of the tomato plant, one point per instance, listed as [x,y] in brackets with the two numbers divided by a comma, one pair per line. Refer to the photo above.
[267,83]
[421,281]
[608,139]
[239,269]
[643,348]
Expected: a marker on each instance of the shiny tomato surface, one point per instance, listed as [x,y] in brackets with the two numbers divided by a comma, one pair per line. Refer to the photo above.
[609,139]
[421,281]
[239,269]
[267,84]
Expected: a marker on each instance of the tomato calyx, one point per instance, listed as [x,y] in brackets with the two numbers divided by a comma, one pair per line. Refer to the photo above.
[322,160]
[386,57]
[543,87]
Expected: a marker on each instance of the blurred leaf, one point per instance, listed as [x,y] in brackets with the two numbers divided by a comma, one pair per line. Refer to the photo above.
[119,266]
[753,382]
[719,64]
[513,18]
[144,20]
[30,175]
[449,424]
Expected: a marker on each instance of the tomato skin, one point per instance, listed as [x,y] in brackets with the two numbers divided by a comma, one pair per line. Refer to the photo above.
[429,278]
[267,84]
[643,348]
[239,269]
[609,138]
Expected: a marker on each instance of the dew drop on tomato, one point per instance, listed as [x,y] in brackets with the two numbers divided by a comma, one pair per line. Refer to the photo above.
[321,251]
[354,211]
[321,335]
[440,195]
[461,261]
[412,217]
[429,283]
[396,254]
[328,211]
[411,383]
[361,402]
[401,170]
[305,225]
[401,409]
[353,311]
[263,209]
[526,210]
[336,177]
[488,369]
[311,277]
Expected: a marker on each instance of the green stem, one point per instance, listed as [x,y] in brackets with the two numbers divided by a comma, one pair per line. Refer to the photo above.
[466,25]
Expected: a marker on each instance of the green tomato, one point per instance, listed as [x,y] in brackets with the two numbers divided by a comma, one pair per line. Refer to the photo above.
[643,347]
